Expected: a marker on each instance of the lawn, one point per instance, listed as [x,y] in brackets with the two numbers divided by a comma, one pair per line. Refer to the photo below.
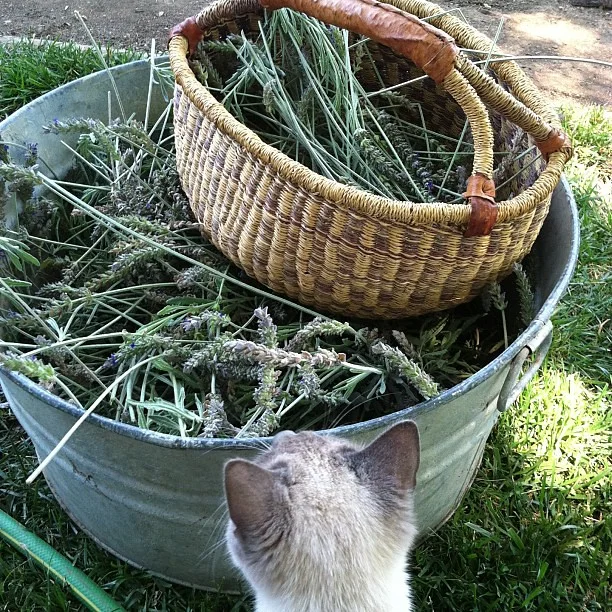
[535,530]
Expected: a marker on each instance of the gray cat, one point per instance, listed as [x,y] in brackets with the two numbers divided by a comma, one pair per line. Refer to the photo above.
[318,524]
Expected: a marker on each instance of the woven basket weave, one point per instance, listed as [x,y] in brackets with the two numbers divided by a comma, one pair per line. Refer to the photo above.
[343,250]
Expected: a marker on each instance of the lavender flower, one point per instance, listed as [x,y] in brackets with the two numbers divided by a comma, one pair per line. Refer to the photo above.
[525,293]
[316,328]
[267,329]
[215,418]
[404,366]
[309,383]
[265,425]
[213,318]
[31,155]
[111,362]
[281,358]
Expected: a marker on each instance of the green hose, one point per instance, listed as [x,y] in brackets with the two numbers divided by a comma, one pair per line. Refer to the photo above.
[57,565]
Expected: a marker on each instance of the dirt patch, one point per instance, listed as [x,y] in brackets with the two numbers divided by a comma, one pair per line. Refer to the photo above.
[552,28]
[545,27]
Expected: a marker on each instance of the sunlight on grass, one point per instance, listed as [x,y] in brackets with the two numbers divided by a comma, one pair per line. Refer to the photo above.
[572,424]
[590,128]
[534,532]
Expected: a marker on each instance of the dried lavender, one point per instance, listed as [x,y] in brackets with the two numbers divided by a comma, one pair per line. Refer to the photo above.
[485,299]
[265,398]
[212,319]
[28,366]
[104,302]
[209,355]
[498,300]
[376,158]
[202,73]
[264,426]
[309,383]
[498,297]
[317,328]
[504,169]
[281,358]
[192,277]
[296,86]
[266,328]
[401,364]
[215,423]
[233,370]
[525,294]
[19,176]
[407,347]
[65,362]
[397,136]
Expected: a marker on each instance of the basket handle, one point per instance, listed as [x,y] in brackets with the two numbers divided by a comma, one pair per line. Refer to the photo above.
[429,48]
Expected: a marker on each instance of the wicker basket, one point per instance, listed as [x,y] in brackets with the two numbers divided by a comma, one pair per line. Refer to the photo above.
[340,249]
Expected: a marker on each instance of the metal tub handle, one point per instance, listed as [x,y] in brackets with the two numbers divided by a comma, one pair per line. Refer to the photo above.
[537,346]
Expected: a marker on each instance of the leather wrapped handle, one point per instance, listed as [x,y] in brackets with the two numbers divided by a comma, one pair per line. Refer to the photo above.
[429,48]
[480,192]
[190,30]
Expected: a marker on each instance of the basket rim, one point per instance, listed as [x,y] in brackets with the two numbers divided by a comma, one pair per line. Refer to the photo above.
[347,196]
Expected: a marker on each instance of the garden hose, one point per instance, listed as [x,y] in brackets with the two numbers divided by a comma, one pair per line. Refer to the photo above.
[57,565]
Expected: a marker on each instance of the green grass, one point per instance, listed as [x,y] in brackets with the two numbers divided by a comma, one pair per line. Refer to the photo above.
[30,69]
[535,530]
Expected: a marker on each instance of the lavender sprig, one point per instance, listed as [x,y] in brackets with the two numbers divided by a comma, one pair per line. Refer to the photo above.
[525,293]
[281,358]
[404,366]
[266,328]
[316,328]
[215,420]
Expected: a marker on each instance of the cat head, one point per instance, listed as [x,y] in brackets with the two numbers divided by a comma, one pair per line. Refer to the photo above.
[315,506]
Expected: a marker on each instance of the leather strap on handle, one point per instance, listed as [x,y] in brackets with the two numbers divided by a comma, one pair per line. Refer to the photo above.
[430,49]
[480,191]
[557,141]
[190,30]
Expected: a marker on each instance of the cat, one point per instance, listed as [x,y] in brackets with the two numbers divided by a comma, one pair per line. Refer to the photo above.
[319,524]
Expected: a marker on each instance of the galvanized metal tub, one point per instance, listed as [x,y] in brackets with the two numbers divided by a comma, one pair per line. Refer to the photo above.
[155,500]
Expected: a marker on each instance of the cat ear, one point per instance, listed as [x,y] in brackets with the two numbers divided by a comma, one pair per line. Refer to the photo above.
[249,492]
[396,453]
